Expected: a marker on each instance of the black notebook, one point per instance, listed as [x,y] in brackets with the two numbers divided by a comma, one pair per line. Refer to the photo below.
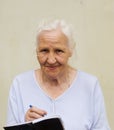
[44,123]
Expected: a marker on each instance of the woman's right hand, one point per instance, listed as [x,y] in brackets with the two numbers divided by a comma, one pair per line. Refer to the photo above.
[34,113]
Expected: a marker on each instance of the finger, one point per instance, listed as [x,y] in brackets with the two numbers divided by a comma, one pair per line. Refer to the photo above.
[29,119]
[32,116]
[34,113]
[29,116]
[38,111]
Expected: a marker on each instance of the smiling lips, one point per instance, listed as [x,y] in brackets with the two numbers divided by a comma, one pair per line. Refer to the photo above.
[52,67]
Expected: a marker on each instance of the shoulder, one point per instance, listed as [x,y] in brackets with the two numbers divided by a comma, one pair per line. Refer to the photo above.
[23,78]
[87,78]
[88,82]
[24,75]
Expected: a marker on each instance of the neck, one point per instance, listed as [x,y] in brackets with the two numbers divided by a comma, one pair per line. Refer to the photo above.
[54,87]
[56,81]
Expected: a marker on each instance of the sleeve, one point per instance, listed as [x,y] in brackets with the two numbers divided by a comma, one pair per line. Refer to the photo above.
[12,112]
[99,114]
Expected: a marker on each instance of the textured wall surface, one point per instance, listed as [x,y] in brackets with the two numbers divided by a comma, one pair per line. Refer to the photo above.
[93,21]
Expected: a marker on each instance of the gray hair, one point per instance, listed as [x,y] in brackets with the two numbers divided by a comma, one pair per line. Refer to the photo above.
[65,28]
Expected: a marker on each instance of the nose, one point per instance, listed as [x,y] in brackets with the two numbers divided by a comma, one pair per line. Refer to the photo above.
[51,59]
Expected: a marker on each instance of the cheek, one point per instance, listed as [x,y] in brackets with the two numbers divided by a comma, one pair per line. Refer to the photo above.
[42,60]
[62,59]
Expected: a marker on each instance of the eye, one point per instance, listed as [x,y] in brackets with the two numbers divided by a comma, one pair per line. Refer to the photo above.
[44,50]
[59,51]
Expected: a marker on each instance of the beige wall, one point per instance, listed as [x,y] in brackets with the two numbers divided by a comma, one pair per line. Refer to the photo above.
[94,25]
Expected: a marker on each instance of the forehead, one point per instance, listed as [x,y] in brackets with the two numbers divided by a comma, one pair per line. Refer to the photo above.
[52,36]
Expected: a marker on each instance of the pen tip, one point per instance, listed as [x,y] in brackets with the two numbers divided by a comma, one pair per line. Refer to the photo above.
[30,106]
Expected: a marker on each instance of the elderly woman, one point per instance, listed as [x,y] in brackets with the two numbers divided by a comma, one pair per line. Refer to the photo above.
[57,88]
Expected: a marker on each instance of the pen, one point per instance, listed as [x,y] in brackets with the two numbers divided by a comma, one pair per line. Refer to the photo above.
[30,106]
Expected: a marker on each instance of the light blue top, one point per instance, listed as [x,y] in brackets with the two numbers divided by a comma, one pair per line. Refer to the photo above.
[81,106]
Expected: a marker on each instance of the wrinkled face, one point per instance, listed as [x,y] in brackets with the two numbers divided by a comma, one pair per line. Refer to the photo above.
[53,52]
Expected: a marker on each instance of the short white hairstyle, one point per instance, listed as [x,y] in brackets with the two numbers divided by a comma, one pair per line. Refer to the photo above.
[66,29]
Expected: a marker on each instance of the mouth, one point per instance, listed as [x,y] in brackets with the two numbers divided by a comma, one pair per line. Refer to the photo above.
[52,67]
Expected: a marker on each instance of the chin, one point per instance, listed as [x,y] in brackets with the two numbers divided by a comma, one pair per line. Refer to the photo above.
[52,76]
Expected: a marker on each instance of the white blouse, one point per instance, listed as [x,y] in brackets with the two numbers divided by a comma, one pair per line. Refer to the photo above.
[81,106]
